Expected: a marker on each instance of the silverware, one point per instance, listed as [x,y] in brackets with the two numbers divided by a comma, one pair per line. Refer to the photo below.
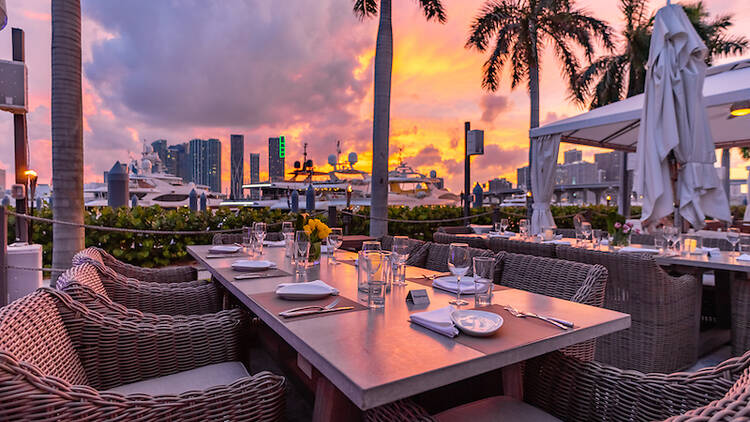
[317,311]
[226,255]
[560,323]
[252,276]
[433,276]
[333,303]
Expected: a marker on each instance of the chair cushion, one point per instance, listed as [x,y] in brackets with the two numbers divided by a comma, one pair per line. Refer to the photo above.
[197,379]
[498,408]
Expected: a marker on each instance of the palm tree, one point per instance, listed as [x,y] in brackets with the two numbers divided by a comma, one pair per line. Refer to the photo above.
[520,29]
[604,81]
[433,9]
[67,131]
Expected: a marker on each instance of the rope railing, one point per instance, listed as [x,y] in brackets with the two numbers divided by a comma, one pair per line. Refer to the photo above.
[139,231]
[395,220]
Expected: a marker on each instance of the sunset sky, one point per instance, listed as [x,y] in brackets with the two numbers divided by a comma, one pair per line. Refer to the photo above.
[181,69]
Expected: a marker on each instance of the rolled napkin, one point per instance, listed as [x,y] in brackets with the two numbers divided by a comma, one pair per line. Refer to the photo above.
[274,243]
[641,250]
[505,235]
[438,321]
[448,283]
[311,288]
[743,257]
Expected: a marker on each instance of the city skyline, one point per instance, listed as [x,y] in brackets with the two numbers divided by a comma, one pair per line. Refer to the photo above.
[313,92]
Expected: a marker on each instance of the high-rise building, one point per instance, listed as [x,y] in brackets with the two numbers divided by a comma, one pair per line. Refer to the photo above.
[576,173]
[2,182]
[160,148]
[205,159]
[177,161]
[254,174]
[499,185]
[237,166]
[573,156]
[276,154]
[522,178]
[611,163]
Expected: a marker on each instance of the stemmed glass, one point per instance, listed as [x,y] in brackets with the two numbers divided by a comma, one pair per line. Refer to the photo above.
[671,233]
[523,227]
[301,249]
[504,224]
[259,230]
[733,236]
[287,229]
[585,231]
[401,249]
[371,245]
[459,263]
[335,239]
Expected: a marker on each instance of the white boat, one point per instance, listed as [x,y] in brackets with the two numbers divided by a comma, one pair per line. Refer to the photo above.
[152,186]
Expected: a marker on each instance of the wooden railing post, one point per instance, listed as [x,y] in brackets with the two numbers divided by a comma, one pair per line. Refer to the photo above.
[3,256]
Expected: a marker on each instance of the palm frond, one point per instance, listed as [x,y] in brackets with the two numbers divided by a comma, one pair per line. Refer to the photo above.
[433,9]
[492,16]
[365,8]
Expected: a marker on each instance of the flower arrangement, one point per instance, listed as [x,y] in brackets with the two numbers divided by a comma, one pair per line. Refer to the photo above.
[317,230]
[620,233]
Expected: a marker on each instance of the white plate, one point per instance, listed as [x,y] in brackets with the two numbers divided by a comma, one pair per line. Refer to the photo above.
[302,296]
[249,265]
[224,249]
[477,323]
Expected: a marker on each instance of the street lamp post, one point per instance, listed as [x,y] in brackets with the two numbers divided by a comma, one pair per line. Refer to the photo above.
[31,179]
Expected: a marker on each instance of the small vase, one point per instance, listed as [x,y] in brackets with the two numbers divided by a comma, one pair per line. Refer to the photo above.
[621,239]
[314,256]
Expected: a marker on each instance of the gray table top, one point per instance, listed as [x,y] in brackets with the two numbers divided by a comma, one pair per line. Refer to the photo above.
[376,356]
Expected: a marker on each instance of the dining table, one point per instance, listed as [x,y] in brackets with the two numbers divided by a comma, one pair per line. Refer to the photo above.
[363,358]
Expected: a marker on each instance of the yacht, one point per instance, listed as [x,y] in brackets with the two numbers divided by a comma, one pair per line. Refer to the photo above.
[152,185]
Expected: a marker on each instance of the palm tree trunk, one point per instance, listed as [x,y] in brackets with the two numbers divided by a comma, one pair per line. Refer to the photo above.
[67,132]
[381,122]
[534,100]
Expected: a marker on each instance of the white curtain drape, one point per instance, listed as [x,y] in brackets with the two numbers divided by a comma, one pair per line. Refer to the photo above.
[543,167]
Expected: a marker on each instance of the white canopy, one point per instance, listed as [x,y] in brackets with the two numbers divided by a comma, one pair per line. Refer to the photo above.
[615,126]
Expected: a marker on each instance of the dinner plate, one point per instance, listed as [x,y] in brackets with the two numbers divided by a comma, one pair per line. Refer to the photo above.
[477,323]
[252,265]
[224,249]
[305,291]
[302,296]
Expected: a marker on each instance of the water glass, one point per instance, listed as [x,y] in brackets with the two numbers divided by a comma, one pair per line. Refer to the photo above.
[376,294]
[287,227]
[660,244]
[401,251]
[458,262]
[484,273]
[733,236]
[585,231]
[671,234]
[335,239]
[523,227]
[371,245]
[504,224]
[259,230]
[362,285]
[289,245]
[301,250]
[387,267]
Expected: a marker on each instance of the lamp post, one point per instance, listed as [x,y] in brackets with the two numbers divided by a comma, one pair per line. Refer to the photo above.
[31,179]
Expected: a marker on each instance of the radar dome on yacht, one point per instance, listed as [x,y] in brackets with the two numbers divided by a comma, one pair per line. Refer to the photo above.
[353,158]
[332,160]
[433,174]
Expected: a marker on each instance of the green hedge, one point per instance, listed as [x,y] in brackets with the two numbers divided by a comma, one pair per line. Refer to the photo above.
[159,250]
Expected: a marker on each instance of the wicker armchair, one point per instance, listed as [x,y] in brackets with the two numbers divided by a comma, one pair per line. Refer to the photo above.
[499,244]
[573,281]
[232,238]
[473,241]
[179,274]
[664,311]
[717,242]
[60,361]
[157,298]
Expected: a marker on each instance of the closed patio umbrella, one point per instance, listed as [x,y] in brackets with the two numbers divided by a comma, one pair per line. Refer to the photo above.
[674,120]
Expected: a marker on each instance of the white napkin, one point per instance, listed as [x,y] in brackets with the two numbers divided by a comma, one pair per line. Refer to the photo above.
[635,249]
[558,242]
[224,249]
[274,243]
[743,257]
[506,235]
[707,249]
[448,283]
[312,288]
[438,321]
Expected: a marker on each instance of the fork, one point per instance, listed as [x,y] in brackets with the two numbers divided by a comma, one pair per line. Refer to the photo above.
[519,314]
[312,307]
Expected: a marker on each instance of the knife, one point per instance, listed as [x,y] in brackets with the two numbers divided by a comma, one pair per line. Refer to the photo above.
[229,255]
[264,274]
[287,314]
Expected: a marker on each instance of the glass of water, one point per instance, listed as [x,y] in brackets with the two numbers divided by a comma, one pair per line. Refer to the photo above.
[372,261]
[335,239]
[401,252]
[301,250]
[484,273]
[523,227]
[733,236]
[259,230]
[458,263]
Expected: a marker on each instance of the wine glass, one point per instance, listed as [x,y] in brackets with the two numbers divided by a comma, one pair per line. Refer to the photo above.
[335,239]
[287,229]
[497,227]
[733,236]
[585,231]
[504,224]
[523,227]
[259,230]
[373,261]
[371,245]
[301,249]
[459,263]
[671,233]
[401,249]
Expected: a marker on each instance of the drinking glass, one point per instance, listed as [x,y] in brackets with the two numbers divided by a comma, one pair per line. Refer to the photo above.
[585,231]
[301,250]
[335,239]
[376,294]
[504,224]
[497,227]
[458,263]
[388,260]
[371,245]
[401,252]
[372,260]
[733,236]
[484,272]
[362,277]
[660,244]
[259,230]
[523,227]
[247,238]
[671,234]
[287,227]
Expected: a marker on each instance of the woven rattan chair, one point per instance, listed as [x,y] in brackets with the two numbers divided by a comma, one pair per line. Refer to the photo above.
[157,298]
[61,361]
[473,241]
[563,387]
[664,311]
[178,274]
[499,244]
[232,238]
[573,281]
[455,229]
[717,242]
